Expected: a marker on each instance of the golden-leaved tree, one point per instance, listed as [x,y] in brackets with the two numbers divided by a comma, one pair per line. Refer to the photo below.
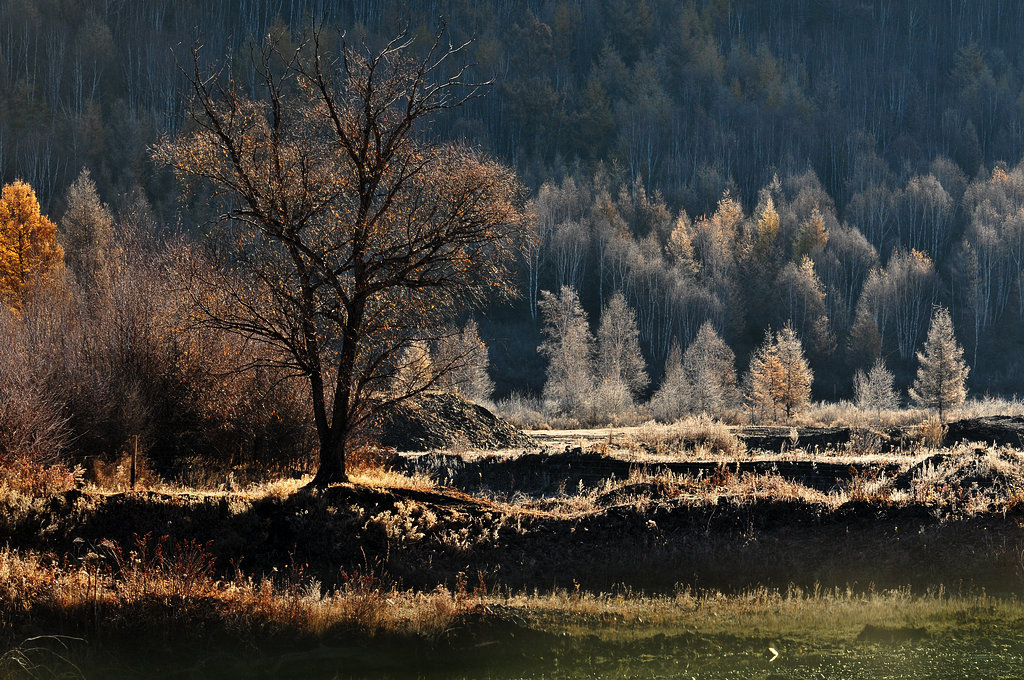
[29,253]
[780,378]
[349,234]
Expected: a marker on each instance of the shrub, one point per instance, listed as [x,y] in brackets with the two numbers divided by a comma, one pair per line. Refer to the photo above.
[694,432]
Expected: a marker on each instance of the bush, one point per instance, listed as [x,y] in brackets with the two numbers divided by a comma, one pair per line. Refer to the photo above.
[34,436]
[83,372]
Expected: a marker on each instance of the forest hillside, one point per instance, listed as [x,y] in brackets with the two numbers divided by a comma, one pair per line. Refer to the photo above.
[842,166]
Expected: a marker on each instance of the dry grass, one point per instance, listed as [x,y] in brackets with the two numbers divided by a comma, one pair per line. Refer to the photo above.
[644,488]
[19,475]
[141,592]
[382,478]
[968,480]
[530,413]
[154,584]
[696,435]
[847,414]
[525,412]
[833,615]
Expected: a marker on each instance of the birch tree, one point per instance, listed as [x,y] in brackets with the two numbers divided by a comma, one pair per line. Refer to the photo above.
[569,346]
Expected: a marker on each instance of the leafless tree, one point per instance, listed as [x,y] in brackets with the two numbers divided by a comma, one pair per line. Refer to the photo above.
[350,234]
[874,389]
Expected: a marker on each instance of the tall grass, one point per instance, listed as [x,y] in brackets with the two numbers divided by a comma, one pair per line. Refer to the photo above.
[153,584]
[824,615]
[528,412]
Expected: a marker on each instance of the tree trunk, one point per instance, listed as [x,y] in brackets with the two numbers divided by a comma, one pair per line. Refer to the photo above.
[333,446]
[332,463]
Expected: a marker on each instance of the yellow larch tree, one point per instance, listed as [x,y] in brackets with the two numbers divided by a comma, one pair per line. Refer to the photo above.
[29,252]
[766,378]
[780,378]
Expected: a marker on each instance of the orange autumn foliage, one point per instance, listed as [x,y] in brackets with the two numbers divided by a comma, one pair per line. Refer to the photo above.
[29,252]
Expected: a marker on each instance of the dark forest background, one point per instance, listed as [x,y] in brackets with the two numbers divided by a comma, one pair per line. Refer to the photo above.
[840,164]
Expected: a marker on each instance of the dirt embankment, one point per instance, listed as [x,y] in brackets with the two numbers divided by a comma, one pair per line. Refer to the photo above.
[438,421]
[575,469]
[953,520]
[998,430]
[653,536]
[445,422]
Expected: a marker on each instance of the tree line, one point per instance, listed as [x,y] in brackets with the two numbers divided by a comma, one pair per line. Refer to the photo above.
[853,291]
[600,380]
[349,238]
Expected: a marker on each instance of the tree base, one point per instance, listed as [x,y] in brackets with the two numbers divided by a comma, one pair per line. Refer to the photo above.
[325,478]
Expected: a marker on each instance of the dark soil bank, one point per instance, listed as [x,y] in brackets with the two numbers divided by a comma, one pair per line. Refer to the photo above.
[424,538]
[547,474]
[999,430]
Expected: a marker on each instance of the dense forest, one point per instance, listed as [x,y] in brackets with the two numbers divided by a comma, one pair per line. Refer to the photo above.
[841,165]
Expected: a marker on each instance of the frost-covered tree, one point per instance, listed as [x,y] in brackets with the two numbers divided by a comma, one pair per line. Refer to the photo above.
[894,302]
[672,398]
[463,356]
[941,372]
[569,346]
[414,369]
[87,230]
[618,347]
[800,300]
[709,367]
[873,390]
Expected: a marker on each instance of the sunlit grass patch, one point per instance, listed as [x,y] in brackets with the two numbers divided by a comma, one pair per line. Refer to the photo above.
[824,615]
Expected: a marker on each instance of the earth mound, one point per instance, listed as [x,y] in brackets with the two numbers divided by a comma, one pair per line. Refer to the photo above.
[779,439]
[446,421]
[999,430]
[993,474]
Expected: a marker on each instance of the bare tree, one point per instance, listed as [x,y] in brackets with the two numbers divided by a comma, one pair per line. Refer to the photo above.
[351,235]
[941,371]
[894,301]
[874,389]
